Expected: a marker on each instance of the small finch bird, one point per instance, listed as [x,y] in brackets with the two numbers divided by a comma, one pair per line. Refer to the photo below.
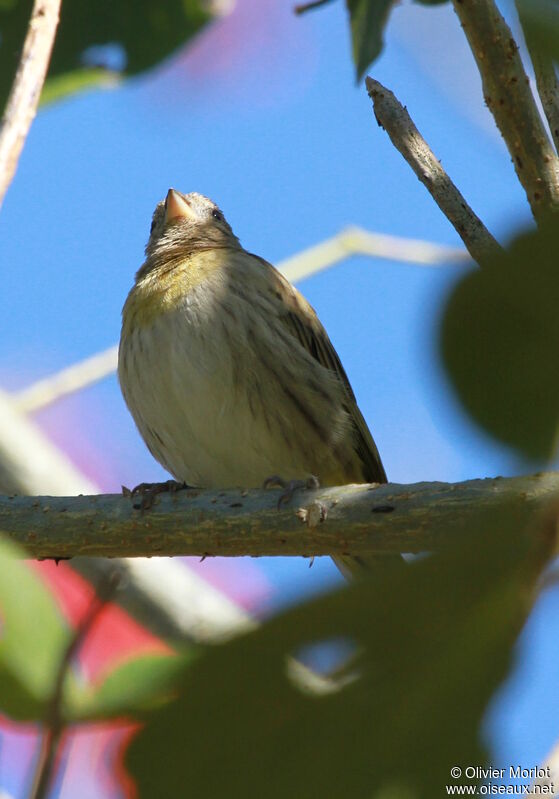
[226,369]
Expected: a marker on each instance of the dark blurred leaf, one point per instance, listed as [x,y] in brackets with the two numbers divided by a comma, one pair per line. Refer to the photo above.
[367,21]
[32,639]
[432,645]
[130,689]
[57,88]
[540,21]
[500,344]
[144,31]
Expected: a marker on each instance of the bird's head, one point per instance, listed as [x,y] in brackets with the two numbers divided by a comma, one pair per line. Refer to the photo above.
[184,223]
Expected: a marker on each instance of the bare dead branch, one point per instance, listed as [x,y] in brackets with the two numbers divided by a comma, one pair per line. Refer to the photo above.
[26,89]
[394,118]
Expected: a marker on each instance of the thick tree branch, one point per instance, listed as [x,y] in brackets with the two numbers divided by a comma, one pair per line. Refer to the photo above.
[507,93]
[359,519]
[26,90]
[162,595]
[394,118]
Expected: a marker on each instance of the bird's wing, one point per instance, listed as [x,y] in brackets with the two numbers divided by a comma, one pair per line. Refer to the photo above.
[300,319]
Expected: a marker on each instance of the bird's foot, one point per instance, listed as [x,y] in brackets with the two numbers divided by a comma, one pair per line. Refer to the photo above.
[290,486]
[148,491]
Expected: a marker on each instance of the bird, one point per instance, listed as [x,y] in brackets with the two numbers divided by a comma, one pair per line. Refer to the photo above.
[227,371]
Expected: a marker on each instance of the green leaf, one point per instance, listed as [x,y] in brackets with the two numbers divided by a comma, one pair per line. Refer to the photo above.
[540,22]
[431,644]
[146,32]
[367,21]
[129,689]
[500,341]
[32,640]
[79,80]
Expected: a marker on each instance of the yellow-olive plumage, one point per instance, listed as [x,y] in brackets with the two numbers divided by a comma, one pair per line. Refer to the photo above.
[225,367]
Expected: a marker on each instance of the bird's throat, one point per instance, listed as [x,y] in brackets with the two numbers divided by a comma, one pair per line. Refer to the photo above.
[159,289]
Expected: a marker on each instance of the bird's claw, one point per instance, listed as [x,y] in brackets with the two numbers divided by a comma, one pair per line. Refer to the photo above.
[148,492]
[290,486]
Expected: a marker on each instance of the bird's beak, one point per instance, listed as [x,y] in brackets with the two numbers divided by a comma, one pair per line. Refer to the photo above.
[176,207]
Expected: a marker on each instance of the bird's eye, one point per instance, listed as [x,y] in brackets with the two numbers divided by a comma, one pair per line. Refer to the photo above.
[217,215]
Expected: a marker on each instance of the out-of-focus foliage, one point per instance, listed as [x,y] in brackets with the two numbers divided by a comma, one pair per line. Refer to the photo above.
[33,641]
[540,20]
[430,643]
[500,343]
[368,18]
[138,35]
[136,686]
[33,638]
[367,21]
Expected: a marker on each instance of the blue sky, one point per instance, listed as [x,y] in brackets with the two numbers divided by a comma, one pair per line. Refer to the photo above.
[264,116]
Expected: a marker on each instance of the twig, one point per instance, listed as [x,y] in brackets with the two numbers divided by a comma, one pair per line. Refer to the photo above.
[54,721]
[349,241]
[29,462]
[355,240]
[394,118]
[66,381]
[401,249]
[546,78]
[301,8]
[359,519]
[507,93]
[26,89]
